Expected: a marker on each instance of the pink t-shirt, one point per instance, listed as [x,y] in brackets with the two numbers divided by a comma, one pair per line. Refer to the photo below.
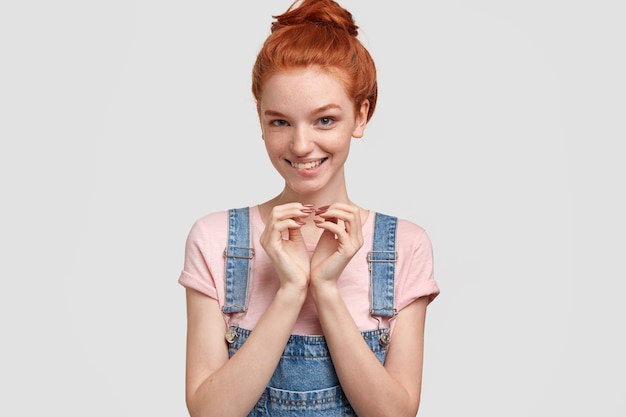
[204,271]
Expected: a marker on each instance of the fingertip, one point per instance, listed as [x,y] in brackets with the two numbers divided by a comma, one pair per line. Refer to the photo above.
[322,209]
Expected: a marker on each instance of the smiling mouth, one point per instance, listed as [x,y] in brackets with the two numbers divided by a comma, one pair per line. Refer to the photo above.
[308,165]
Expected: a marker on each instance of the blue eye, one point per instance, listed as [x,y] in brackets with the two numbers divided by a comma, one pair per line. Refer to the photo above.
[325,121]
[279,122]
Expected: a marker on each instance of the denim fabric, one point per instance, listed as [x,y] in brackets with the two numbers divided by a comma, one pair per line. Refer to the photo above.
[305,382]
[382,261]
[238,256]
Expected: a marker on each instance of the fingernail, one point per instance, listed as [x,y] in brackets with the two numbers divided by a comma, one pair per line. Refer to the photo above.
[307,210]
[318,221]
[308,204]
[299,223]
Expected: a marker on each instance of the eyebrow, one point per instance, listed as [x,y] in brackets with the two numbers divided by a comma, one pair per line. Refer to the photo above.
[326,108]
[274,113]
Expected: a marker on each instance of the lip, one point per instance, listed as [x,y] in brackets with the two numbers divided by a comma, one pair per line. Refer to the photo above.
[308,163]
[308,166]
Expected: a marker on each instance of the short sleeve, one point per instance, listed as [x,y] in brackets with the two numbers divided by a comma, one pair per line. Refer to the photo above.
[415,275]
[198,266]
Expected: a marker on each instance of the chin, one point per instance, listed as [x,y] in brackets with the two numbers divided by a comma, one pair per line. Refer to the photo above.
[305,189]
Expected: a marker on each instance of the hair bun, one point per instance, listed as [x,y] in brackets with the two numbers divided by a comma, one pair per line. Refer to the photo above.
[325,13]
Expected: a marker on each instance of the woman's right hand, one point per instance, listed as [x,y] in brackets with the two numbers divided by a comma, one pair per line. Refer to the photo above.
[214,383]
[283,242]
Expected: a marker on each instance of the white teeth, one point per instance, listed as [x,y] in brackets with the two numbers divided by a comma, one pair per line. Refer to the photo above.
[308,165]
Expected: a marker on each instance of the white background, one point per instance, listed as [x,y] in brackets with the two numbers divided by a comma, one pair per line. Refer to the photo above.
[499,129]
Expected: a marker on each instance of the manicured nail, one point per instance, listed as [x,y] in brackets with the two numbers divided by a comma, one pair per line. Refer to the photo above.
[299,223]
[318,221]
[308,204]
[307,210]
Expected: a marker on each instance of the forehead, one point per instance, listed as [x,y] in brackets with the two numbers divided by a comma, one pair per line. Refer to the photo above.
[310,84]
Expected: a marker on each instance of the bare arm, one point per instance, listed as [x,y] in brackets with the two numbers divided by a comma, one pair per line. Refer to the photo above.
[372,389]
[219,386]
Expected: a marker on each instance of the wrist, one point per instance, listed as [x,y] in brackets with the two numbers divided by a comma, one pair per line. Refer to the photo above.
[323,290]
[295,294]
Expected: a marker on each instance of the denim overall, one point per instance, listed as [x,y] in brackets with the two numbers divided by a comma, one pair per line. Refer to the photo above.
[304,382]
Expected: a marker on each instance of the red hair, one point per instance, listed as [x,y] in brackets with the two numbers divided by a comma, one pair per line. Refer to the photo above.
[318,33]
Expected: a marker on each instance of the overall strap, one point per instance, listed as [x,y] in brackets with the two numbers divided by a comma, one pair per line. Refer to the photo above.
[382,265]
[238,254]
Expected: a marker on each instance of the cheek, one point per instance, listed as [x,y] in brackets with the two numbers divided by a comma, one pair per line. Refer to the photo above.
[273,146]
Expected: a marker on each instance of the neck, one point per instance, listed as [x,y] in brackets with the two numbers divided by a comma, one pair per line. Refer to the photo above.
[317,199]
[310,232]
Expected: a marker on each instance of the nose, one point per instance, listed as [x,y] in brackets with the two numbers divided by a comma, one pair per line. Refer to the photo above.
[302,142]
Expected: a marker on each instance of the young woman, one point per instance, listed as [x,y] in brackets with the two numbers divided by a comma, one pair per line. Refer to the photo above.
[308,304]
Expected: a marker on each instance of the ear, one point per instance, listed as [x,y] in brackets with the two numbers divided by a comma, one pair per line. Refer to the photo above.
[361,120]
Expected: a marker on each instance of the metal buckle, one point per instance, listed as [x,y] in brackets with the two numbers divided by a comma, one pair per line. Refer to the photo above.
[384,339]
[231,335]
[239,252]
[381,256]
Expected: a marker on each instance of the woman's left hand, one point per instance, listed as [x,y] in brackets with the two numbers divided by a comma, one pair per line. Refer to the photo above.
[341,239]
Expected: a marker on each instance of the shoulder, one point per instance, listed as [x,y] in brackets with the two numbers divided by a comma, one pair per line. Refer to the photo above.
[412,237]
[211,221]
[209,227]
[412,241]
[408,231]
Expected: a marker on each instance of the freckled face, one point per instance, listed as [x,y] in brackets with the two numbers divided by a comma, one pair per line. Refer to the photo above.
[308,121]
